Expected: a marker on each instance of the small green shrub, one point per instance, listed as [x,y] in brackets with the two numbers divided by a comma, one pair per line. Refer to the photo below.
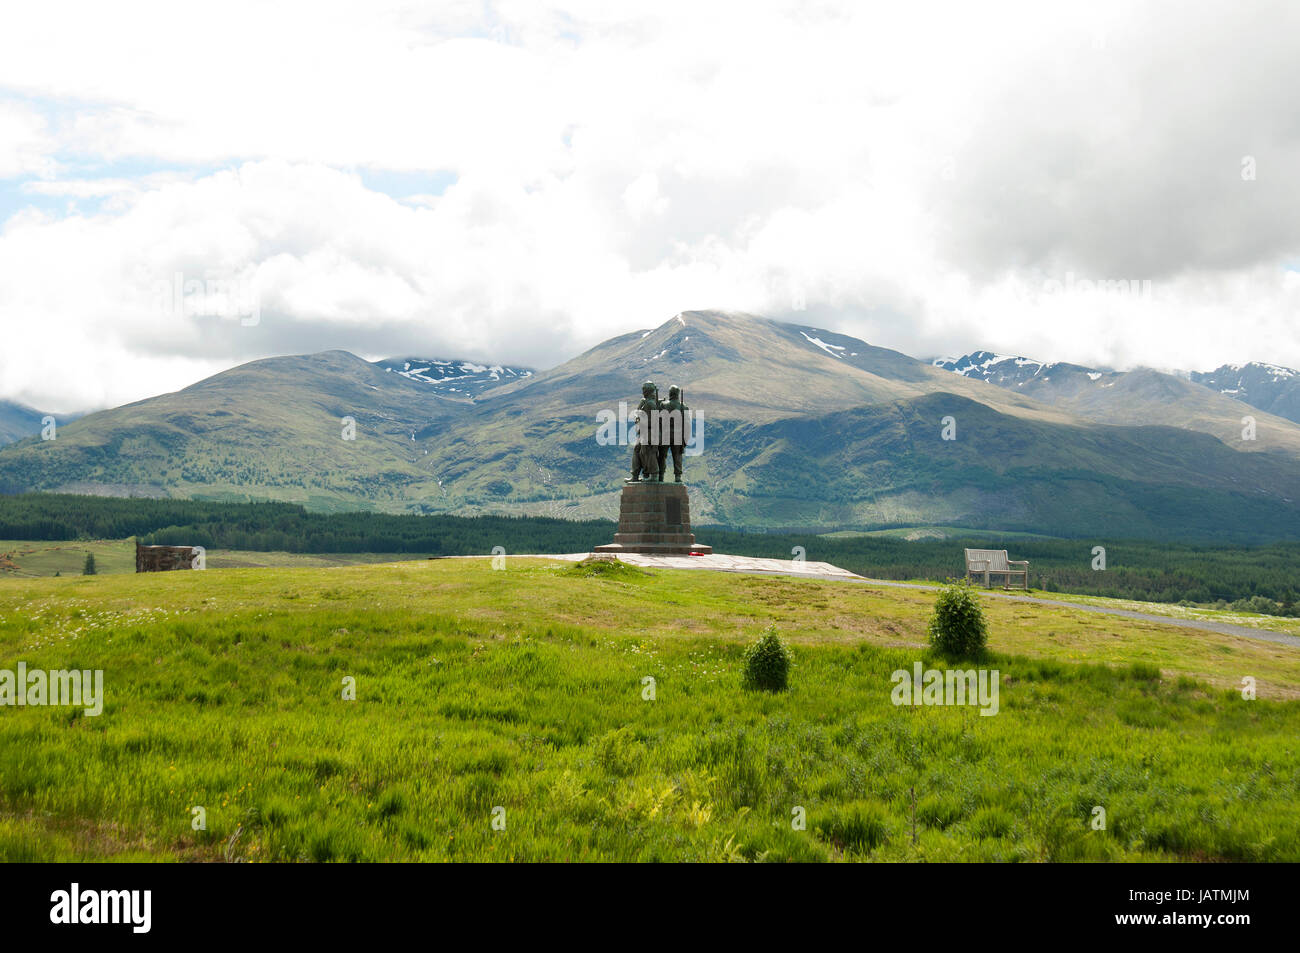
[767,663]
[957,628]
[606,568]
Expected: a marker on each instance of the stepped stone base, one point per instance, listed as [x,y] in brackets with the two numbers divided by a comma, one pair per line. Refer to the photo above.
[655,519]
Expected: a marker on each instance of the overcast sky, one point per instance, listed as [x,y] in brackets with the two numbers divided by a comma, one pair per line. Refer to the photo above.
[515,182]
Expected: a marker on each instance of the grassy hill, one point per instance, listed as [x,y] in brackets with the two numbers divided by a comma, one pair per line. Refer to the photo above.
[879,466]
[269,429]
[67,558]
[33,559]
[224,691]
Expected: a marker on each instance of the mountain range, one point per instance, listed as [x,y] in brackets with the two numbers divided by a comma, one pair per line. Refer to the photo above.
[1266,386]
[1103,394]
[802,427]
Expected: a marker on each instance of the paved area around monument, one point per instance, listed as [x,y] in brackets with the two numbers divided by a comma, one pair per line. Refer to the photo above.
[724,563]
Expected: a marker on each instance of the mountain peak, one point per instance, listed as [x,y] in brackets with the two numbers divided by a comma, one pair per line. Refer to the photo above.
[995,368]
[1270,387]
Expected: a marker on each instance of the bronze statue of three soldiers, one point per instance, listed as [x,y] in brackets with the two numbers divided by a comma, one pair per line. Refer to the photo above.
[662,426]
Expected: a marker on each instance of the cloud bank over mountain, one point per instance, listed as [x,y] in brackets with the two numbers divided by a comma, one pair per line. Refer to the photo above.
[1112,185]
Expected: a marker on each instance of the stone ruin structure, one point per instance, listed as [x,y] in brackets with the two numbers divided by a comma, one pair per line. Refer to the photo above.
[164,558]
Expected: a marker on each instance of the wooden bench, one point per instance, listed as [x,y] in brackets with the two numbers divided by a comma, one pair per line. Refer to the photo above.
[994,562]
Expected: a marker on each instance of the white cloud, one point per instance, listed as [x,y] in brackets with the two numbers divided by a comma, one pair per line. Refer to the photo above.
[25,144]
[912,174]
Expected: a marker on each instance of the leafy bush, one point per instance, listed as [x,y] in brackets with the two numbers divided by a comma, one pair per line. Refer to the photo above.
[767,663]
[1256,604]
[957,628]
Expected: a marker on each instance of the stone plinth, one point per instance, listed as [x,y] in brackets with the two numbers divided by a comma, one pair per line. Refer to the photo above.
[654,518]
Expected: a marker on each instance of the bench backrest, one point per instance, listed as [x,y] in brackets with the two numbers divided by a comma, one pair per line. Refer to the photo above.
[992,560]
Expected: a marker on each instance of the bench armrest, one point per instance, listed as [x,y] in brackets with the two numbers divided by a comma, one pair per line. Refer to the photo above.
[1018,562]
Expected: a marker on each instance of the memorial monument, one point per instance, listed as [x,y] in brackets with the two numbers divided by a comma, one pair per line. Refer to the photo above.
[654,517]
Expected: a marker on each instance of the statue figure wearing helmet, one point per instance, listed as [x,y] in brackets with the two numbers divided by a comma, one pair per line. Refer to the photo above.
[645,453]
[677,424]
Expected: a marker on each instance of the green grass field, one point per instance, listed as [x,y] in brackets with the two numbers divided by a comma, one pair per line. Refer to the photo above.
[31,559]
[522,689]
[27,559]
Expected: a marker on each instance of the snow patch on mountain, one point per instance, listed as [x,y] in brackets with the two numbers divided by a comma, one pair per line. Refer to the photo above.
[1013,371]
[984,365]
[467,377]
[828,348]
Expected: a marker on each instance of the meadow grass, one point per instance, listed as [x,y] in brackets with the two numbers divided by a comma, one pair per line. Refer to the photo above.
[38,558]
[524,689]
[30,558]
